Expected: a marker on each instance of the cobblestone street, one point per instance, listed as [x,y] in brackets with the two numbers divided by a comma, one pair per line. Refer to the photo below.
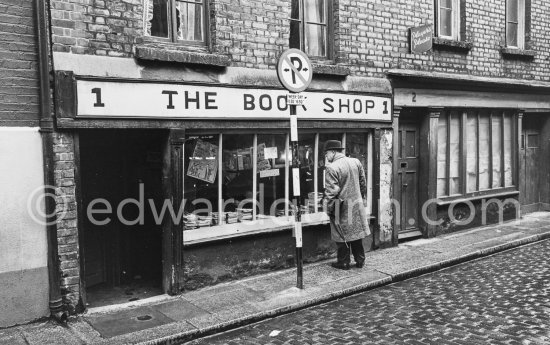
[502,299]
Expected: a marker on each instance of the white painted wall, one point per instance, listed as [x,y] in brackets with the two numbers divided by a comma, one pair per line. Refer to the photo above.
[23,241]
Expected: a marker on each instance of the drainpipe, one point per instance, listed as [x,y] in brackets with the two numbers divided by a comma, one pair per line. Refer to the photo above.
[47,131]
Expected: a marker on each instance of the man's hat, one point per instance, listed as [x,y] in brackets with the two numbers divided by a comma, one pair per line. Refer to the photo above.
[333,145]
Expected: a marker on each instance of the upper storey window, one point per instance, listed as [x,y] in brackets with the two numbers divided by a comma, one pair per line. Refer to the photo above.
[448,19]
[515,23]
[182,21]
[309,27]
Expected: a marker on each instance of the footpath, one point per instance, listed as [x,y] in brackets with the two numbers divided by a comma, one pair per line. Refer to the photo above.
[174,320]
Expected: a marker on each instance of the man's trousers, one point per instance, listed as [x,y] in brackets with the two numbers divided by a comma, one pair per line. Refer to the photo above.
[343,253]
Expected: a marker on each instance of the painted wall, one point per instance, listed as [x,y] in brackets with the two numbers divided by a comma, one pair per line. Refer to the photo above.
[23,244]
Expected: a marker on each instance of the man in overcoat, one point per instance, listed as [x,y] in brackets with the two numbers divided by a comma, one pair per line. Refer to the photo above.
[345,191]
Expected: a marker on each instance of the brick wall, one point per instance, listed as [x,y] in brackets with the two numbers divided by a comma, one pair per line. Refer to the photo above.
[19,87]
[67,229]
[370,36]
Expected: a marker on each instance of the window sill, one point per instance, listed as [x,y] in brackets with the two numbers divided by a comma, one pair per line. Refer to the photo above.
[260,226]
[447,44]
[515,53]
[156,53]
[330,69]
[497,193]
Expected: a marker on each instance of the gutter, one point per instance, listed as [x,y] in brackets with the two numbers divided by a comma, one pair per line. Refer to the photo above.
[47,131]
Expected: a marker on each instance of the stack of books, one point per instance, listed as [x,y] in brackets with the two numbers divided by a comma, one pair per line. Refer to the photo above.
[190,221]
[204,221]
[244,214]
[311,202]
[231,217]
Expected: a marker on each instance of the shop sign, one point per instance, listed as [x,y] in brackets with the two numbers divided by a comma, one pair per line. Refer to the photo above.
[122,99]
[421,38]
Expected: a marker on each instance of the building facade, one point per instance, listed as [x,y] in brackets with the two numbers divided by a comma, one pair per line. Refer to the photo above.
[168,105]
[24,274]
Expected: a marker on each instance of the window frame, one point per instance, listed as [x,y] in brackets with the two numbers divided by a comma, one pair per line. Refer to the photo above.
[455,20]
[173,30]
[521,15]
[214,232]
[463,161]
[302,24]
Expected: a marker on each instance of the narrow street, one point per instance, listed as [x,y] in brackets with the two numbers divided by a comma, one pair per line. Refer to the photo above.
[502,299]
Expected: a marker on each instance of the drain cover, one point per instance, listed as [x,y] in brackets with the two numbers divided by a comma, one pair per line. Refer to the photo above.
[144,317]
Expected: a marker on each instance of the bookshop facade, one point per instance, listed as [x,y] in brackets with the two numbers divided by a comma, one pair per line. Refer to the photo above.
[188,184]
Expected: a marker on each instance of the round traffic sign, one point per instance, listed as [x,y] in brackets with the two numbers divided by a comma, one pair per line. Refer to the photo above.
[294,70]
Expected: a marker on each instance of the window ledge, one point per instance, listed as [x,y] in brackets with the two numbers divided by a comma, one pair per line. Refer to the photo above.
[477,196]
[515,53]
[260,226]
[166,54]
[330,69]
[447,44]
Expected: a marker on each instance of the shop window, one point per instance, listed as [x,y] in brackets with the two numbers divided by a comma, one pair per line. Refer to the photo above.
[309,27]
[182,21]
[448,19]
[244,178]
[478,143]
[515,24]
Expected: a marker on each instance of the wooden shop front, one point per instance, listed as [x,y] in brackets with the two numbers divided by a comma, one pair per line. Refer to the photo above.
[202,174]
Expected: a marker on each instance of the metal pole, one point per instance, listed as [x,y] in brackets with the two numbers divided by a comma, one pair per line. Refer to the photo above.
[297,213]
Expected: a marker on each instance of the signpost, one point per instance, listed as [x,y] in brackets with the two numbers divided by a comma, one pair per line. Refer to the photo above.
[295,72]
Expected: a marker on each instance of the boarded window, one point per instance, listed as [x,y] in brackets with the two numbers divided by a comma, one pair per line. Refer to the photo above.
[487,149]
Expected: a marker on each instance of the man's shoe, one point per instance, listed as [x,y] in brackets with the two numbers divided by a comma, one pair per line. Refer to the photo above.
[359,264]
[340,266]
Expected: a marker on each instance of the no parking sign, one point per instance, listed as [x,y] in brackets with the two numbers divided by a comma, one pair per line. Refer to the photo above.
[294,70]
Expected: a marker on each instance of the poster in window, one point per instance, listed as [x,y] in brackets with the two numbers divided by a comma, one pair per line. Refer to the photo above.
[203,165]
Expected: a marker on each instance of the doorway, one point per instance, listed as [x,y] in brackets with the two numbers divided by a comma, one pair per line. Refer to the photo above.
[407,178]
[121,174]
[532,186]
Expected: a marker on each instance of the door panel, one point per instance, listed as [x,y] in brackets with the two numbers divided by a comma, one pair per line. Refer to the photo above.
[530,160]
[407,182]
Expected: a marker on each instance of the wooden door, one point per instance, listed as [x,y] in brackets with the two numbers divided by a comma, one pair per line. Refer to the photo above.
[529,158]
[407,180]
